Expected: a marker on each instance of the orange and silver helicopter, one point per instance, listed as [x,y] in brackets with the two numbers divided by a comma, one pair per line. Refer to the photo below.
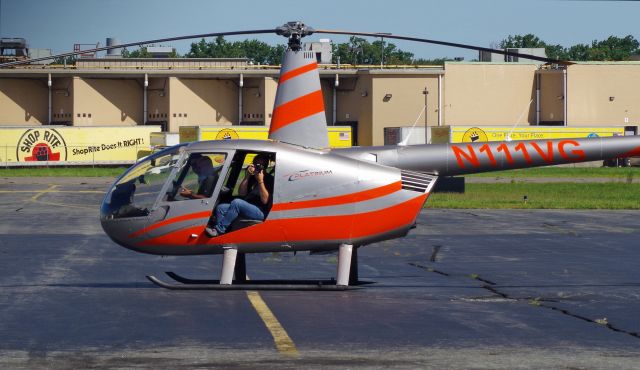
[322,199]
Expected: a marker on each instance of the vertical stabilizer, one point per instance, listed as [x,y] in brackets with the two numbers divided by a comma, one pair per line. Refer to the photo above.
[298,114]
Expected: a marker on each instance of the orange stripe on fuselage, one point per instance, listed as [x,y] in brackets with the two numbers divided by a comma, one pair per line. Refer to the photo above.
[297,72]
[340,199]
[305,229]
[296,110]
[324,202]
[190,216]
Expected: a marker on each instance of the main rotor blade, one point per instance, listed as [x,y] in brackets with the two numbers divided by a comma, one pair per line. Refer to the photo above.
[139,43]
[445,43]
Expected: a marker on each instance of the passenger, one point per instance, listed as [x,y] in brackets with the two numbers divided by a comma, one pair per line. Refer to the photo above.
[256,196]
[207,178]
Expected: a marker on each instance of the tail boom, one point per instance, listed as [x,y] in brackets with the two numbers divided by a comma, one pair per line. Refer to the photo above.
[466,158]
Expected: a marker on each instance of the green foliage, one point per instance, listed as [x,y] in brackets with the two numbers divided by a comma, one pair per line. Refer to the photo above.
[612,49]
[71,60]
[257,51]
[567,195]
[360,51]
[143,53]
[140,53]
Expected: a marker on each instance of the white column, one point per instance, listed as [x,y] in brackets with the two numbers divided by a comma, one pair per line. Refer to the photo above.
[145,104]
[240,102]
[344,264]
[228,266]
[49,83]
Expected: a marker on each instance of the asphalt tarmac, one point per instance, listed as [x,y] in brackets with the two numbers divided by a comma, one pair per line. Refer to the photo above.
[466,289]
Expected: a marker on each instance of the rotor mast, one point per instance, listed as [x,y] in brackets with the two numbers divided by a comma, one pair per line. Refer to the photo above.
[294,31]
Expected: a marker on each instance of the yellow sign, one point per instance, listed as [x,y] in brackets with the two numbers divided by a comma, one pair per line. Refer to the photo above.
[465,134]
[473,135]
[339,136]
[73,145]
[227,134]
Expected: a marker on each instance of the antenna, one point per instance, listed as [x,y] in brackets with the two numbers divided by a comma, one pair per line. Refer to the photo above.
[508,138]
[406,139]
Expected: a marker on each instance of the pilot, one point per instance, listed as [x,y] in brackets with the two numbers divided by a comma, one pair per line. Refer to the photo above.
[256,196]
[207,178]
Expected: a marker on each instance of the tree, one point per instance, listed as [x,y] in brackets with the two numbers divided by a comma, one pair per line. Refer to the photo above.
[70,60]
[519,41]
[613,48]
[361,51]
[257,51]
[140,53]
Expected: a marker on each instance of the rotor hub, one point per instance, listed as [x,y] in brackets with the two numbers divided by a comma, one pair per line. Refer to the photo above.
[294,31]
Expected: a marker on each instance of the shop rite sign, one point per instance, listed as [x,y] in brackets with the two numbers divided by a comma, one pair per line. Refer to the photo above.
[74,145]
[44,144]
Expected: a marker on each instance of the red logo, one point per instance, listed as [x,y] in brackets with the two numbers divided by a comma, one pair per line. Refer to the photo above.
[42,144]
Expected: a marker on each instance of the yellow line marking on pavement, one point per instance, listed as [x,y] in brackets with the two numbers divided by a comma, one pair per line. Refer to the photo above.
[66,205]
[284,344]
[49,189]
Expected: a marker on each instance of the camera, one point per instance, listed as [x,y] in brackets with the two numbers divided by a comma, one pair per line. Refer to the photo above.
[258,167]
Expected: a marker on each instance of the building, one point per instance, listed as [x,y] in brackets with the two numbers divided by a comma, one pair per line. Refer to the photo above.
[181,92]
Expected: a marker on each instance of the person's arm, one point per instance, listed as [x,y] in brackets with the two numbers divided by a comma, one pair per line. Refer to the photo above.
[244,185]
[189,194]
[264,192]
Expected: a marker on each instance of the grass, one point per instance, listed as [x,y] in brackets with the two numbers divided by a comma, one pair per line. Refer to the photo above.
[62,172]
[584,172]
[541,196]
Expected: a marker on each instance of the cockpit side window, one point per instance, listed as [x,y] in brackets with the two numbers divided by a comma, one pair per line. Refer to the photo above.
[135,193]
[198,176]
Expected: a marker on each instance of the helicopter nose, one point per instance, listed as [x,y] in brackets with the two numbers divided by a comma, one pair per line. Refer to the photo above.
[120,230]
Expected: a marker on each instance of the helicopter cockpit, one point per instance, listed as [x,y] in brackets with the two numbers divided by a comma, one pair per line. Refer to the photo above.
[175,182]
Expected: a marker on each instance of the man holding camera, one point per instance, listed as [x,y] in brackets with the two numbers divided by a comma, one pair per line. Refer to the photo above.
[255,200]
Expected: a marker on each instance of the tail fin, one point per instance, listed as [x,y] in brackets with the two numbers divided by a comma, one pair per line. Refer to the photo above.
[298,113]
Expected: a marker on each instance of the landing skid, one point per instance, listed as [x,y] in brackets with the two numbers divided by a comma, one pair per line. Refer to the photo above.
[234,264]
[195,284]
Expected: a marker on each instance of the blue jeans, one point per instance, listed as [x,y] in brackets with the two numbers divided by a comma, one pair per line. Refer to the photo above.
[226,213]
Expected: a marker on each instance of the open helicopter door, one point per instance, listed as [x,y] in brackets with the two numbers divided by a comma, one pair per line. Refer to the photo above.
[194,188]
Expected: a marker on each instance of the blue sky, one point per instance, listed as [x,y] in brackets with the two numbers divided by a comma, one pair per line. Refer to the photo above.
[58,24]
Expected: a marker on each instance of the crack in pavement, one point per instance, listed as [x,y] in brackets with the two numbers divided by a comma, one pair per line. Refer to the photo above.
[537,301]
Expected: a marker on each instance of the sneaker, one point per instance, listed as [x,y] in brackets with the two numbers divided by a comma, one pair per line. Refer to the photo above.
[211,232]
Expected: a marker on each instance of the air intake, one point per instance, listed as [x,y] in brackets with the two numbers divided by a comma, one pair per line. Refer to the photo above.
[417,181]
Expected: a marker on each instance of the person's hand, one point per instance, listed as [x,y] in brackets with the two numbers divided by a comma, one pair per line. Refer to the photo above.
[186,192]
[251,169]
[259,176]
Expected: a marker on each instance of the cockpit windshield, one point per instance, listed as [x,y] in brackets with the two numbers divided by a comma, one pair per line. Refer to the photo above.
[135,193]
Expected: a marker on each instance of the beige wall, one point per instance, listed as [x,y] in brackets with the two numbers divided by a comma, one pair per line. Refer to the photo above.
[474,94]
[269,88]
[106,102]
[202,102]
[158,100]
[23,101]
[590,87]
[551,96]
[405,106]
[253,101]
[489,94]
[354,104]
[62,100]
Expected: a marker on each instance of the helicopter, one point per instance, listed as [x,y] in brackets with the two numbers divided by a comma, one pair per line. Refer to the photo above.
[322,199]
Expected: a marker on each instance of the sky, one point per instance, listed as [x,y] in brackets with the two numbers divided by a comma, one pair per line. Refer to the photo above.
[58,24]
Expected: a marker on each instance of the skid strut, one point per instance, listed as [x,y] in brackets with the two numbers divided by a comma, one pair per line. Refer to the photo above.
[235,264]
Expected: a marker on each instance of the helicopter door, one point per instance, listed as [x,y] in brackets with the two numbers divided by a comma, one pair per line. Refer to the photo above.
[196,187]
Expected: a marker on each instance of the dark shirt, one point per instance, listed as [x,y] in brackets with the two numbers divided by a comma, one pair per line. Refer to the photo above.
[206,185]
[253,194]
